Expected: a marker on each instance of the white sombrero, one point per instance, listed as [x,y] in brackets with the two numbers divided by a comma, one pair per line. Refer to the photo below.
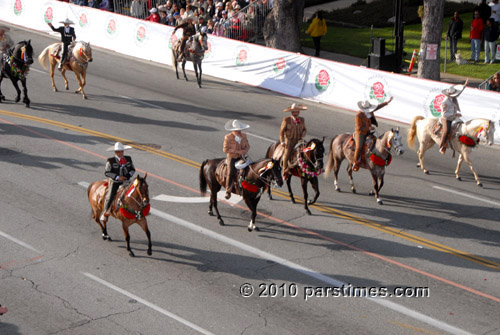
[368,106]
[235,125]
[119,147]
[453,91]
[295,107]
[67,21]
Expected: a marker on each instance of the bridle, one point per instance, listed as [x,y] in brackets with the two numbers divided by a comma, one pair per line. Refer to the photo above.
[315,161]
[268,181]
[143,205]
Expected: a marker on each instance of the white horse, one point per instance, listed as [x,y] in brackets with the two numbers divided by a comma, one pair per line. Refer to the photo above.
[470,131]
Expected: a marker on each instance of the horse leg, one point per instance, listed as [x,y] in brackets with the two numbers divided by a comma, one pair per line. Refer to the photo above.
[16,86]
[127,238]
[252,205]
[184,69]
[467,160]
[66,84]
[422,148]
[213,201]
[459,164]
[376,188]
[349,174]
[315,186]
[176,65]
[52,67]
[199,79]
[336,167]
[80,89]
[290,193]
[303,183]
[198,76]
[144,226]
[2,97]
[26,100]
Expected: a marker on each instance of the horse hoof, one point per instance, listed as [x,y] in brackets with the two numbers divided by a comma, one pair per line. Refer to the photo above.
[418,165]
[27,105]
[257,229]
[84,97]
[17,99]
[270,198]
[380,202]
[104,237]
[337,189]
[371,193]
[459,178]
[250,229]
[293,200]
[150,252]
[211,213]
[109,238]
[308,212]
[131,254]
[426,171]
[480,184]
[353,190]
[221,222]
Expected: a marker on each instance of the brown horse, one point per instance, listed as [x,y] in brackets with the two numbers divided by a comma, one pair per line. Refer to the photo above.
[77,62]
[472,131]
[376,159]
[309,166]
[131,205]
[252,181]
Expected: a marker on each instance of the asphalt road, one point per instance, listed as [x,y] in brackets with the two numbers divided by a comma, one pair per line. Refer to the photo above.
[57,275]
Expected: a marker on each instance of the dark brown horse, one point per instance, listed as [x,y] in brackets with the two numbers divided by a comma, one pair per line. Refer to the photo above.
[309,166]
[375,160]
[131,205]
[16,66]
[252,181]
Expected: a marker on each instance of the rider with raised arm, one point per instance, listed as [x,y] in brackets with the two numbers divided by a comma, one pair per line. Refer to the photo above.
[188,30]
[293,129]
[363,124]
[450,111]
[235,146]
[119,168]
[67,37]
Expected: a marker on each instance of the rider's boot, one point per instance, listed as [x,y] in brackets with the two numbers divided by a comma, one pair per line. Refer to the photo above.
[442,150]
[104,216]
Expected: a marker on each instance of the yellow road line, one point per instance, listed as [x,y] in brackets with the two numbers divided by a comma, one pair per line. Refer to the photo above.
[323,208]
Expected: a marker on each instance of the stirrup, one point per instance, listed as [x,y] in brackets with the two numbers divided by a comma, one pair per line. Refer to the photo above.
[228,195]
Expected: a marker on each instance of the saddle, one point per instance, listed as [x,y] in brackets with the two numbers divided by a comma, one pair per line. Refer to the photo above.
[115,203]
[221,172]
[366,149]
[57,52]
[437,130]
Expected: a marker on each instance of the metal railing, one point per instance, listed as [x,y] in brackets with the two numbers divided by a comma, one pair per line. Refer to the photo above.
[484,84]
[245,24]
[136,8]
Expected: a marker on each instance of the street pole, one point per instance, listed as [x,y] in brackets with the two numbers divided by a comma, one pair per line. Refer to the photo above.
[398,33]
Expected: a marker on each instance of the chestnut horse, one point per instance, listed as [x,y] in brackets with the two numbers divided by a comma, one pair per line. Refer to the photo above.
[255,178]
[471,132]
[375,161]
[309,166]
[131,205]
[77,62]
[16,67]
[196,46]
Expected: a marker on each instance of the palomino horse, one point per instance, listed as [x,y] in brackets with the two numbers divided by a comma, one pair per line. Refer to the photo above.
[195,47]
[16,66]
[131,205]
[385,146]
[77,62]
[309,158]
[468,134]
[254,179]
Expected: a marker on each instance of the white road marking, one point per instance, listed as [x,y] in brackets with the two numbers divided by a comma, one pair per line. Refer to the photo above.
[308,272]
[13,239]
[194,200]
[84,184]
[36,70]
[147,303]
[298,268]
[463,194]
[261,137]
[142,102]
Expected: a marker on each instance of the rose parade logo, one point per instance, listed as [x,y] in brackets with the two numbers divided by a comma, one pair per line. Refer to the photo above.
[83,21]
[279,66]
[141,34]
[322,81]
[111,27]
[435,105]
[242,56]
[377,92]
[171,41]
[49,15]
[18,7]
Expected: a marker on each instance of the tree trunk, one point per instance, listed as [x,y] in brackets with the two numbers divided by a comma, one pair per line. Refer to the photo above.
[283,24]
[432,30]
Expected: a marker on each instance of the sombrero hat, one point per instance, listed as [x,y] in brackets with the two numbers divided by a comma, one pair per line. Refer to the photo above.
[67,21]
[295,107]
[367,106]
[119,147]
[4,28]
[235,125]
[453,91]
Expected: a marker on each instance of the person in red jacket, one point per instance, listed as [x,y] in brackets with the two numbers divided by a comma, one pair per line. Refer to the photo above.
[154,17]
[476,32]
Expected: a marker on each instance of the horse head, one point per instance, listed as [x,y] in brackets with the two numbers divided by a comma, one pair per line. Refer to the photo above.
[203,40]
[23,52]
[139,191]
[313,153]
[271,171]
[487,134]
[84,51]
[395,142]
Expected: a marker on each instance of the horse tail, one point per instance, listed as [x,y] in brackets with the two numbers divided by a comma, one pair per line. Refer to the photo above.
[203,181]
[413,131]
[329,164]
[44,57]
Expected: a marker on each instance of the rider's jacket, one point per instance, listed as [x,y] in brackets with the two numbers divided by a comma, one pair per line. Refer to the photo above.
[188,29]
[232,148]
[363,123]
[292,129]
[115,168]
[66,37]
[450,108]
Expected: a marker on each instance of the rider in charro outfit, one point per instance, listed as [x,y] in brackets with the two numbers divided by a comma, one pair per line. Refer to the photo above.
[450,111]
[293,129]
[235,146]
[188,30]
[363,124]
[118,169]
[67,37]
